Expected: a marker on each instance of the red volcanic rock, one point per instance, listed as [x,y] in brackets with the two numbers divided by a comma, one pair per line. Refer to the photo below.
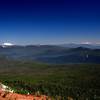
[9,95]
[2,98]
[15,96]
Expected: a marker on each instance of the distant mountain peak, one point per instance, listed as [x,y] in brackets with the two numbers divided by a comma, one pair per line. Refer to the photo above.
[88,43]
[6,44]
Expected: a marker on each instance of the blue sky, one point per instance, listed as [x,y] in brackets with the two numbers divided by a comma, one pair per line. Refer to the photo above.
[49,21]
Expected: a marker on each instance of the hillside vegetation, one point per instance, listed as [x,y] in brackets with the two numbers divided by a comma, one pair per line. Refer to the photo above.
[57,81]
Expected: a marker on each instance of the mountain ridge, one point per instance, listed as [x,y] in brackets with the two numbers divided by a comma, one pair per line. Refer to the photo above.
[51,54]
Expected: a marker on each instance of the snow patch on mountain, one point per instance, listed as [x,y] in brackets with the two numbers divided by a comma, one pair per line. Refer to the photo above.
[7,44]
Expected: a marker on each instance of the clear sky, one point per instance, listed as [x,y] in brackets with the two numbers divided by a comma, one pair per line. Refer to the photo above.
[49,21]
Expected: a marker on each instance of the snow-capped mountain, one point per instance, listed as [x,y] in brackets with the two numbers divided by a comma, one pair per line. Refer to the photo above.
[85,45]
[7,44]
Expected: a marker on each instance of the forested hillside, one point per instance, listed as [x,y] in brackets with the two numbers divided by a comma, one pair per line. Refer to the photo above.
[79,81]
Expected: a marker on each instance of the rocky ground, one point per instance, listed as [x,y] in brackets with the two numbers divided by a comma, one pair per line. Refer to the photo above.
[15,96]
[7,94]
